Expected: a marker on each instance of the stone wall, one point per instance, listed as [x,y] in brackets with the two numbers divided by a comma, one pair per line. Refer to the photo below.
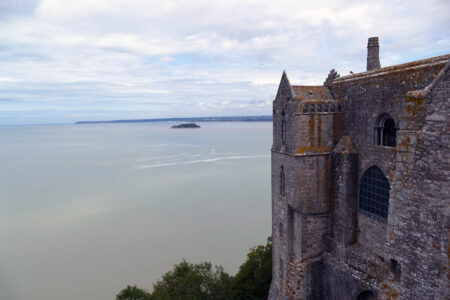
[418,235]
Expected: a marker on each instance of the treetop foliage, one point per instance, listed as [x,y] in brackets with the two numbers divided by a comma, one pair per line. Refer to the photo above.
[203,282]
[133,293]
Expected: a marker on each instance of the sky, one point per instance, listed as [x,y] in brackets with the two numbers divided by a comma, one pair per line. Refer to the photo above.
[63,61]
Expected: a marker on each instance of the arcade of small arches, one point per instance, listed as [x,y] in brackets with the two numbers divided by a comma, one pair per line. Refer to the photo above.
[322,108]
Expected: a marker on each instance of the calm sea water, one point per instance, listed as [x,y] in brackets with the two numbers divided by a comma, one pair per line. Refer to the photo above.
[87,209]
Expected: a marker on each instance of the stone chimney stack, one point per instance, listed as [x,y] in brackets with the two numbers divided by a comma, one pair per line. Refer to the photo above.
[373,57]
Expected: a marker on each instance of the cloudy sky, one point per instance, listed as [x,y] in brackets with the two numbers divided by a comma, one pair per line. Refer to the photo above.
[67,60]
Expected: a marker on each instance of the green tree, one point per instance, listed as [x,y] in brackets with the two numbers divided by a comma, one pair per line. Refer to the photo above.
[193,281]
[254,276]
[133,293]
[203,282]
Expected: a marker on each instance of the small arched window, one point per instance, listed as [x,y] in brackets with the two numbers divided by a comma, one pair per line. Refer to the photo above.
[366,295]
[282,182]
[319,108]
[389,133]
[385,131]
[374,193]
[283,127]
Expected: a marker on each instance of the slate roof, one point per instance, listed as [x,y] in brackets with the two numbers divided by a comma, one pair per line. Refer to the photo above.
[304,92]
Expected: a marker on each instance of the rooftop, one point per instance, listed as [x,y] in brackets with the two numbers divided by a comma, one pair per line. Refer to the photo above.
[443,59]
[304,92]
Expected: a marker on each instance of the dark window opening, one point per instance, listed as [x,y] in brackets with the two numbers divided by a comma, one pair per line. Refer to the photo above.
[395,269]
[389,133]
[366,295]
[290,228]
[281,236]
[282,182]
[385,131]
[374,193]
[305,108]
[283,127]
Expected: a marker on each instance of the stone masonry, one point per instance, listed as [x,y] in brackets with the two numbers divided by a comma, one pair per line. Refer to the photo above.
[360,184]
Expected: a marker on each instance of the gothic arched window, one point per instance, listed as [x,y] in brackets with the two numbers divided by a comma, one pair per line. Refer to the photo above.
[385,131]
[374,193]
[283,127]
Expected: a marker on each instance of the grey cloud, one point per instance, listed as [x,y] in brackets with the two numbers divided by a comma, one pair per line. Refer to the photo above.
[10,8]
[213,58]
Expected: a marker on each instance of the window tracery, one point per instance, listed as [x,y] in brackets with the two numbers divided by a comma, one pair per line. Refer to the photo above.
[374,192]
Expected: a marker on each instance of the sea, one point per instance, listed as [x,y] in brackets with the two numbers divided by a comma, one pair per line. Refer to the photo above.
[86,210]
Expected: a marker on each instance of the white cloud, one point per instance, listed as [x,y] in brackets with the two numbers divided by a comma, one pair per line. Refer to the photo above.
[211,57]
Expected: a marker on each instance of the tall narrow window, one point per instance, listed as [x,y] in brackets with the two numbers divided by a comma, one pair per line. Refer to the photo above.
[280,261]
[283,127]
[282,182]
[290,229]
[395,269]
[389,133]
[374,193]
[385,131]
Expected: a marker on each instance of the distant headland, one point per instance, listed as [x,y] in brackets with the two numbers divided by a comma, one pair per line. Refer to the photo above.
[199,119]
[186,125]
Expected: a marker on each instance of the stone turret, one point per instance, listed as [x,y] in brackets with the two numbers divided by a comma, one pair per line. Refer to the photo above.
[308,122]
[373,55]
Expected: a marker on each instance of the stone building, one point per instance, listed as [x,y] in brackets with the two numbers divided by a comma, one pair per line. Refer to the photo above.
[360,184]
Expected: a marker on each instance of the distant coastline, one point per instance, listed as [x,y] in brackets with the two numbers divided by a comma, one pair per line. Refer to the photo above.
[199,119]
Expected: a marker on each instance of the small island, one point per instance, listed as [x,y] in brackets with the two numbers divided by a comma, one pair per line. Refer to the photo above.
[186,125]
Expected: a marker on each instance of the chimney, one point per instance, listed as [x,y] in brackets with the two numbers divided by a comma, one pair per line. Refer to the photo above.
[373,57]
